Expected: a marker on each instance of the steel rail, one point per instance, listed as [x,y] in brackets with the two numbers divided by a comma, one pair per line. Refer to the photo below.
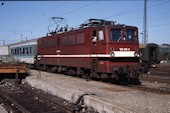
[162,90]
[67,109]
[11,96]
[4,95]
[153,79]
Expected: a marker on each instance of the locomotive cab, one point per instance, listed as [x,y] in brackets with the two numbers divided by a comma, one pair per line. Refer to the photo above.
[117,50]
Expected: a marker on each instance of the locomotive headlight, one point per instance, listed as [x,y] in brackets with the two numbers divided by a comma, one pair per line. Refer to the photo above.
[112,54]
[136,54]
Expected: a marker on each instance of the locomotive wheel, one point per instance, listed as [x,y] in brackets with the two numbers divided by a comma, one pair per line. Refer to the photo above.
[47,69]
[71,72]
[135,81]
[53,69]
[85,76]
[79,75]
[123,79]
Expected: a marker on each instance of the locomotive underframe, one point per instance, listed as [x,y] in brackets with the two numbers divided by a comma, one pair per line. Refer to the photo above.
[105,67]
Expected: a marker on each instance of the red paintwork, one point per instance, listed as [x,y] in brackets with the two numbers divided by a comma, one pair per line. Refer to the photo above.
[102,47]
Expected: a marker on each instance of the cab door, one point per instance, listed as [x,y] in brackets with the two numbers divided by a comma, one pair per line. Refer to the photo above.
[94,41]
[98,41]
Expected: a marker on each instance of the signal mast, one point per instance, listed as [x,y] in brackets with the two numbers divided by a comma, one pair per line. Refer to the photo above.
[145,27]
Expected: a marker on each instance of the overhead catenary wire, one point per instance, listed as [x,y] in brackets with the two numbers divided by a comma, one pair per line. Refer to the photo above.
[16,31]
[76,9]
[31,28]
[45,22]
[133,10]
[42,14]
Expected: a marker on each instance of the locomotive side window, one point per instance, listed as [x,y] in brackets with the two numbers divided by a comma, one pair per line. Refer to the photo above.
[40,43]
[48,43]
[51,43]
[115,34]
[94,37]
[80,38]
[11,51]
[130,35]
[101,35]
[72,39]
[64,40]
[58,41]
[44,43]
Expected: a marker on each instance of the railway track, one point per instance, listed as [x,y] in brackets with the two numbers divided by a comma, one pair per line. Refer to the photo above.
[160,71]
[160,90]
[159,78]
[155,79]
[21,99]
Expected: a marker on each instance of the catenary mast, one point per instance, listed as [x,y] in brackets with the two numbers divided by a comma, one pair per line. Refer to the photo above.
[145,27]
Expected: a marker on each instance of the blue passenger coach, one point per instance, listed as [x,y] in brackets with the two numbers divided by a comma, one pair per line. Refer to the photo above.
[24,51]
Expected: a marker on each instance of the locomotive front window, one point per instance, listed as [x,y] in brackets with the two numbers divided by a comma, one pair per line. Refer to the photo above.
[130,35]
[115,34]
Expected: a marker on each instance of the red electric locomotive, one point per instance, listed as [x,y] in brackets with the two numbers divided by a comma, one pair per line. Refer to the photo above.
[98,48]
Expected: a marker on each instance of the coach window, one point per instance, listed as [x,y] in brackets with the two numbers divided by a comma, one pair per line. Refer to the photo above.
[30,50]
[23,50]
[15,51]
[101,35]
[20,51]
[27,52]
[12,51]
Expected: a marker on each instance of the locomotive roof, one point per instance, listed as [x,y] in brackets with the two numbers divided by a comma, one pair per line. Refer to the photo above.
[97,22]
[89,24]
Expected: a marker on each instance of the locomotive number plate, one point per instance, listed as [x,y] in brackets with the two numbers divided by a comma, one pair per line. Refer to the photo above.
[124,49]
